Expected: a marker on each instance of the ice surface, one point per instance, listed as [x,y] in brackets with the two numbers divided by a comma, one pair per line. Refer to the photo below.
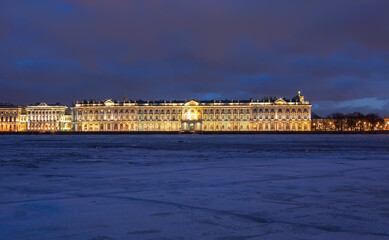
[194,187]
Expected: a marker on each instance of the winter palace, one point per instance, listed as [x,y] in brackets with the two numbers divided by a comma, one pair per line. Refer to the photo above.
[266,114]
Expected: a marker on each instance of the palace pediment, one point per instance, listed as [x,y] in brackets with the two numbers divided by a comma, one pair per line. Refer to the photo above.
[191,103]
[280,101]
[109,102]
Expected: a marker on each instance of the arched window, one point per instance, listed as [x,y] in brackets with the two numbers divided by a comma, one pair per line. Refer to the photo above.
[272,113]
[279,113]
[293,114]
[306,114]
[287,114]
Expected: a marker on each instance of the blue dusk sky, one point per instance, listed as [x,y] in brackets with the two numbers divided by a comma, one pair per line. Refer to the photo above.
[335,51]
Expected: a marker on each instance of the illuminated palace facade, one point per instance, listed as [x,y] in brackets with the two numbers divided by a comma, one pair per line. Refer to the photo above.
[267,114]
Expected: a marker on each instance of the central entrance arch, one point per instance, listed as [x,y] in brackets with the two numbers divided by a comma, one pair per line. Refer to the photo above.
[191,126]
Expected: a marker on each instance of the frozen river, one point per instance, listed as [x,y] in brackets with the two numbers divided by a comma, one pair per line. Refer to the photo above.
[226,187]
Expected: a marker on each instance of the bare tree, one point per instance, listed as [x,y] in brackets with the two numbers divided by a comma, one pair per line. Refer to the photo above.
[355,121]
[373,120]
[338,119]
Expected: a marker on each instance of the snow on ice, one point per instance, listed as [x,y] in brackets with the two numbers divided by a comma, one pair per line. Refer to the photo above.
[194,187]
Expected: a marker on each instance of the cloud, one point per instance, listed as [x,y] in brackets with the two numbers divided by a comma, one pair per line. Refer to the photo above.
[335,51]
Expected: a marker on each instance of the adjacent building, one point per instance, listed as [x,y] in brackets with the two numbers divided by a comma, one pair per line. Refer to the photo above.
[267,114]
[51,118]
[12,118]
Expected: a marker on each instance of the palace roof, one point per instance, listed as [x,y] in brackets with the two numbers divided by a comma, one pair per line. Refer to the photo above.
[297,100]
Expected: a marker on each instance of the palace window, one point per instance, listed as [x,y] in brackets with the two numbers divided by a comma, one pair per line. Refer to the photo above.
[293,114]
[279,114]
[306,115]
